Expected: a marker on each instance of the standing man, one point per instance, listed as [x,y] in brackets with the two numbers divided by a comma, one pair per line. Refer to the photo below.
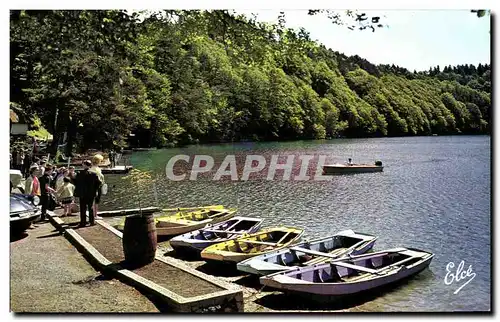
[112,158]
[20,160]
[87,184]
[46,189]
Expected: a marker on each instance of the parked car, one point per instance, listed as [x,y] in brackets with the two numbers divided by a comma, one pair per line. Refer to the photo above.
[23,211]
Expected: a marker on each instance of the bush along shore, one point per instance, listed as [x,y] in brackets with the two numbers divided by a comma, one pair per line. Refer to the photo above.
[179,77]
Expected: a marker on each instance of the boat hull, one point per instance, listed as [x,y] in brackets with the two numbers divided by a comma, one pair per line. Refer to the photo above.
[344,169]
[285,281]
[190,240]
[224,251]
[268,263]
[185,226]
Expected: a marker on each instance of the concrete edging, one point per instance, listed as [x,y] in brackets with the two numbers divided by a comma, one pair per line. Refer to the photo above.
[176,302]
[230,290]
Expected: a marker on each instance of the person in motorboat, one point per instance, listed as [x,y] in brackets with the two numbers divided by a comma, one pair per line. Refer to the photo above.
[349,161]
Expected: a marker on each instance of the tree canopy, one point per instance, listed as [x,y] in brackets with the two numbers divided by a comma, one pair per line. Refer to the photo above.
[179,77]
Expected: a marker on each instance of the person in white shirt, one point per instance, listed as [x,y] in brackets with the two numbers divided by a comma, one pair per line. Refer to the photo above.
[41,169]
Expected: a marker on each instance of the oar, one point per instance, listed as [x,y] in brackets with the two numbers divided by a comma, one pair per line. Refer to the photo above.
[283,238]
[256,242]
[222,231]
[394,264]
[335,252]
[373,255]
[234,225]
[312,252]
[320,259]
[191,208]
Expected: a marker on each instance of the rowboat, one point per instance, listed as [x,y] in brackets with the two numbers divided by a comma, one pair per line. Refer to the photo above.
[178,213]
[352,274]
[259,243]
[339,168]
[182,223]
[212,234]
[192,208]
[338,245]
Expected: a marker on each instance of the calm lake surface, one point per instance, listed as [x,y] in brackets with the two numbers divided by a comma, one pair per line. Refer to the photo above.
[434,194]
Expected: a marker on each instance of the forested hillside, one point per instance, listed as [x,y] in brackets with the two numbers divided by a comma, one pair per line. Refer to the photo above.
[183,77]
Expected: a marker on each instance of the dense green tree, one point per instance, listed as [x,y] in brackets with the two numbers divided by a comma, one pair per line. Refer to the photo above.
[178,77]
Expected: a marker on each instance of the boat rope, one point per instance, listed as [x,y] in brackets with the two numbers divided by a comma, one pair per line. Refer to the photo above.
[258,292]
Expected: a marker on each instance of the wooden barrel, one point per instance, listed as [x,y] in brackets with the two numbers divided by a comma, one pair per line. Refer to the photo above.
[139,239]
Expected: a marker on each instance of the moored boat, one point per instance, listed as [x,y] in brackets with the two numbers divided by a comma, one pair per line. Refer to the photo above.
[182,223]
[177,213]
[315,252]
[351,275]
[212,234]
[339,168]
[259,243]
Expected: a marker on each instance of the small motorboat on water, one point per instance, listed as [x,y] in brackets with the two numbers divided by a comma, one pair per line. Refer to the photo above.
[252,245]
[352,274]
[212,234]
[350,167]
[313,252]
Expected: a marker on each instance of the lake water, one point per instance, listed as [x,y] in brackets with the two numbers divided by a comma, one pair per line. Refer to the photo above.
[434,194]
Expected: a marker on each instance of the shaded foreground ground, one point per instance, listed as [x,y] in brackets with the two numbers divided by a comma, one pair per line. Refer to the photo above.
[170,277]
[48,274]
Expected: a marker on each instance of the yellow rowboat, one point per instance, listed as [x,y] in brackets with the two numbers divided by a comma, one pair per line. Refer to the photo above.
[193,208]
[180,212]
[262,242]
[182,223]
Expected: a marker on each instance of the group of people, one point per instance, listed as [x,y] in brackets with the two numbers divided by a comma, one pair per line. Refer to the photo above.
[19,160]
[64,184]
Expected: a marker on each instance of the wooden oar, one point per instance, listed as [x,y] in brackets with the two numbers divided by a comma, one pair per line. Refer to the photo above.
[373,255]
[395,264]
[256,242]
[283,238]
[320,259]
[312,252]
[234,225]
[222,231]
[191,208]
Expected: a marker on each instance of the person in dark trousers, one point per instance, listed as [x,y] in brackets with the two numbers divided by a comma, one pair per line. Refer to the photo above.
[86,186]
[112,158]
[46,189]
